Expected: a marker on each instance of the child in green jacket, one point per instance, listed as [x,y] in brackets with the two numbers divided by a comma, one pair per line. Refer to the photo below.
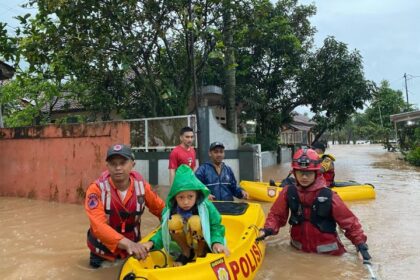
[190,220]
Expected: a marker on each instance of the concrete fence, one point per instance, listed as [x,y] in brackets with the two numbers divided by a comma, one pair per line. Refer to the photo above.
[56,162]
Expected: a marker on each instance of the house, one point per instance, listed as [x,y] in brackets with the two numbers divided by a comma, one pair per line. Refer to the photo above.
[69,110]
[298,131]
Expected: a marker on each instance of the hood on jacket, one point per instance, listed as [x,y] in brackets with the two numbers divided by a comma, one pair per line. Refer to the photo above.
[185,180]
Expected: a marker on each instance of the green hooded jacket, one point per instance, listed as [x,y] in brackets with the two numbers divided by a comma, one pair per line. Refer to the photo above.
[213,230]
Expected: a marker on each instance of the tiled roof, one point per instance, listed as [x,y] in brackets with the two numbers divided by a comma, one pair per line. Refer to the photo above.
[303,120]
[64,105]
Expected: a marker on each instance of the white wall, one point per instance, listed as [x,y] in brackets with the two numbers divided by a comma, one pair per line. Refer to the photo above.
[219,133]
[142,166]
[163,176]
[286,155]
[268,158]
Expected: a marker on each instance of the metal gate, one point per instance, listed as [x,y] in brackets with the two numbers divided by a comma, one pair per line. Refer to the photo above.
[159,134]
[257,162]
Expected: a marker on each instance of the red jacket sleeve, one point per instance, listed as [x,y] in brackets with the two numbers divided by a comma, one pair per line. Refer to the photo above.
[347,221]
[279,212]
[98,222]
[153,201]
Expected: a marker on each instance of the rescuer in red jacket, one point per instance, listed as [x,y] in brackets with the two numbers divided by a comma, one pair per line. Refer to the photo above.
[315,211]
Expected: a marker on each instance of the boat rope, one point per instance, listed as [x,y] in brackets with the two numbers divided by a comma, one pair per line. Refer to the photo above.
[256,229]
[165,258]
[132,276]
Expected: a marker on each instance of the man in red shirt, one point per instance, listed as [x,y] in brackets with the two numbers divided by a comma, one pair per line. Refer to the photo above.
[184,153]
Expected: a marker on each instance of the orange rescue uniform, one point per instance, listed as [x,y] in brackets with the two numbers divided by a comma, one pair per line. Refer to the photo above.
[98,219]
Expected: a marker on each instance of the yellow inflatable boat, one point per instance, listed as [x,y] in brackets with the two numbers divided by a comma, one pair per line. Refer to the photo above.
[242,221]
[347,190]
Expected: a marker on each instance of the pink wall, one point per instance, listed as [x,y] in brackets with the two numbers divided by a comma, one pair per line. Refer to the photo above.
[56,162]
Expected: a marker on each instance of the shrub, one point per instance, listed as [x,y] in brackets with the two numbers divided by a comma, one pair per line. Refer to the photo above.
[413,156]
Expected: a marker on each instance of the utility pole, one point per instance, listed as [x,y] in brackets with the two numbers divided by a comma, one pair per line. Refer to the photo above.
[190,34]
[406,91]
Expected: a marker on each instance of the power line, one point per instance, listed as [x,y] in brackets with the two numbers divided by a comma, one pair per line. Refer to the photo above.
[412,77]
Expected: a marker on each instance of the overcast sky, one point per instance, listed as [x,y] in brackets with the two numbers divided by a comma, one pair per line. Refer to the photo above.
[386,32]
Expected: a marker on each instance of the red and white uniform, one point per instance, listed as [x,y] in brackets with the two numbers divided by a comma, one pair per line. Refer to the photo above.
[306,236]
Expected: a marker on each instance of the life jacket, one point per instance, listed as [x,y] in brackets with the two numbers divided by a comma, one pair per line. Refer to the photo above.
[330,174]
[125,219]
[320,210]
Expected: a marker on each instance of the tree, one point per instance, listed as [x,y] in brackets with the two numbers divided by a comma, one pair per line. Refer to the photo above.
[132,56]
[29,99]
[386,102]
[270,52]
[334,85]
[230,66]
[7,44]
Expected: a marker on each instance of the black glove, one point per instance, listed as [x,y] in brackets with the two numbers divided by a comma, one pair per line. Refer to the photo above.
[267,232]
[363,249]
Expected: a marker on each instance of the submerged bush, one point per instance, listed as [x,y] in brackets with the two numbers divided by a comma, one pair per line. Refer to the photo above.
[413,156]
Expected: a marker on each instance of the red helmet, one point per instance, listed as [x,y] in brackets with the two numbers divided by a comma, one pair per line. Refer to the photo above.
[306,159]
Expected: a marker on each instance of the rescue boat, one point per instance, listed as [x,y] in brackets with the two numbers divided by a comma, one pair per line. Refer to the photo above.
[347,190]
[242,222]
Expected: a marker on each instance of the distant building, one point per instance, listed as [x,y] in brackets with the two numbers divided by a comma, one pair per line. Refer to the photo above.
[68,109]
[297,132]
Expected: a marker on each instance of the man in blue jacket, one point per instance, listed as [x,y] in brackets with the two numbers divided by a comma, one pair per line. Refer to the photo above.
[218,177]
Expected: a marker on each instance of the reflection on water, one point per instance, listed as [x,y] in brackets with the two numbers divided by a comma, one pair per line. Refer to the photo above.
[43,240]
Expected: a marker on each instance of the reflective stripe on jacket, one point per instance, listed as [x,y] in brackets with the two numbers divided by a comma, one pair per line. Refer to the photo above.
[307,237]
[112,219]
[223,186]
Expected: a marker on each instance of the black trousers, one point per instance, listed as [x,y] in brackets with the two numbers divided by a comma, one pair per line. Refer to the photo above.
[95,261]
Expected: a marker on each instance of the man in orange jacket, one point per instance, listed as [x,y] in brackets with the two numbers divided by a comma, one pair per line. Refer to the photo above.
[114,204]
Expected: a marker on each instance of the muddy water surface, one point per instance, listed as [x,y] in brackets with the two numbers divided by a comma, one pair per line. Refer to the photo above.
[44,240]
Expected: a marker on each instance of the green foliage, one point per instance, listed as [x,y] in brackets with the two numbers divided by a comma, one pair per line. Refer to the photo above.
[28,99]
[386,102]
[268,142]
[130,56]
[334,84]
[375,124]
[413,156]
[270,51]
[134,57]
[8,48]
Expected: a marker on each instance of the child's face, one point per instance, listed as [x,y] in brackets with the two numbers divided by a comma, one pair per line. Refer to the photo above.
[305,178]
[186,199]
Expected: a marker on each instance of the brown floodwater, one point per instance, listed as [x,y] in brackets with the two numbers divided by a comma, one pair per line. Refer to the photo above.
[46,240]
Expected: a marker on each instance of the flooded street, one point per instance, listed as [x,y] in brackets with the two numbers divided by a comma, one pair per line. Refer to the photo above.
[45,240]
